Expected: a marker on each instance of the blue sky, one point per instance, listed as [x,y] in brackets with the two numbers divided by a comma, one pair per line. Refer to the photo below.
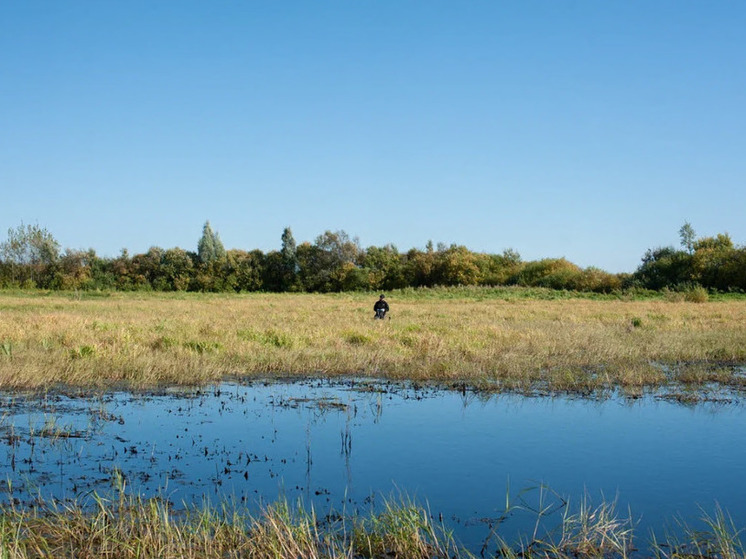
[584,129]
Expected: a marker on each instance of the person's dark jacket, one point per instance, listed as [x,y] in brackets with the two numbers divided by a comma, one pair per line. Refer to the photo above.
[381,304]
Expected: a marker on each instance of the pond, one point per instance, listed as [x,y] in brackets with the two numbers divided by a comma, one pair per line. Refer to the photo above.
[350,444]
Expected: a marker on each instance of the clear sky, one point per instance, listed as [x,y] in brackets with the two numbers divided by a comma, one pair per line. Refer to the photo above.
[585,129]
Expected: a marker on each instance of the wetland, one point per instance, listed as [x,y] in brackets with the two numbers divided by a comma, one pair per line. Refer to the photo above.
[474,422]
[485,466]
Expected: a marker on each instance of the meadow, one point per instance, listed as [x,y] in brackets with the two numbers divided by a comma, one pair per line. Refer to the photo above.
[525,340]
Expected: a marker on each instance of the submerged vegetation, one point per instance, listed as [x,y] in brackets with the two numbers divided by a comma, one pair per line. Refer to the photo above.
[498,339]
[134,527]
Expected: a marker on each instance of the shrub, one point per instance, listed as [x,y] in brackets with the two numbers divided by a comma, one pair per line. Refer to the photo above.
[696,294]
[672,296]
[555,273]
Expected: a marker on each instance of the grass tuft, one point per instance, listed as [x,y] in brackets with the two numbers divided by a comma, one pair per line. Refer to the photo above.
[718,539]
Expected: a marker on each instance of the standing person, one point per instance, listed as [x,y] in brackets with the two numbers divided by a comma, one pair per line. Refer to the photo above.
[381,307]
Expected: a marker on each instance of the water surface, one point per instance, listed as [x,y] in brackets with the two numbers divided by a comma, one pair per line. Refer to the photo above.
[348,445]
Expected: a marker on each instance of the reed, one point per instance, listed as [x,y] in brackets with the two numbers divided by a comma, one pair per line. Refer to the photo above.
[498,339]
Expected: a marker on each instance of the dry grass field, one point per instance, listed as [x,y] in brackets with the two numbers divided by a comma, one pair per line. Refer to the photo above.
[481,339]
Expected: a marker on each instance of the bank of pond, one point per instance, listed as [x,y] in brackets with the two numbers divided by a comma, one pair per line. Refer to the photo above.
[359,468]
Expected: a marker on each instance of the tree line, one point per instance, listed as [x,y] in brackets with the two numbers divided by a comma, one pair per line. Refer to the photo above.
[32,258]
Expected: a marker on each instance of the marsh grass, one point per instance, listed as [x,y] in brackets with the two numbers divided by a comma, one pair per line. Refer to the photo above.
[497,339]
[129,527]
[133,527]
[718,537]
[401,529]
[598,531]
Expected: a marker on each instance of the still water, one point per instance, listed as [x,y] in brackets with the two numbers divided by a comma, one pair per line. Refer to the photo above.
[347,445]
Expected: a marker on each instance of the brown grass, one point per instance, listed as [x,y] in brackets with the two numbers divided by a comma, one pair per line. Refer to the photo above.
[570,344]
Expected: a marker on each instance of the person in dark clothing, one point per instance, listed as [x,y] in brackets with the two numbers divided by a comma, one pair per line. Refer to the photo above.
[381,307]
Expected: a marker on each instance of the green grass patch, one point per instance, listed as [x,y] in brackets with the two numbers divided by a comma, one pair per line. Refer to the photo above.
[269,337]
[82,352]
[356,338]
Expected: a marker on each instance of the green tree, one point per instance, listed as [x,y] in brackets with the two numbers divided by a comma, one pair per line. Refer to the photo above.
[457,265]
[597,280]
[289,268]
[554,273]
[289,249]
[497,269]
[146,271]
[243,270]
[687,236]
[384,268]
[664,267]
[712,262]
[721,241]
[101,271]
[176,270]
[30,253]
[732,272]
[331,263]
[209,247]
[73,269]
[419,265]
[122,270]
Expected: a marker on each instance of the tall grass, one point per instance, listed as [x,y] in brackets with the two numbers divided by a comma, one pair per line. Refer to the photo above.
[131,527]
[491,338]
[136,528]
[401,529]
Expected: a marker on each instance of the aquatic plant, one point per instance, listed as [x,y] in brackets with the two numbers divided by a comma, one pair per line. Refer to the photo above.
[719,538]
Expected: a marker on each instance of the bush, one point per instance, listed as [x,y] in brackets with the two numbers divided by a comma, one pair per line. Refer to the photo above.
[672,296]
[555,273]
[696,294]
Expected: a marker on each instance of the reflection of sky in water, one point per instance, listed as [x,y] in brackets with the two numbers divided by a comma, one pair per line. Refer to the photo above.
[456,453]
